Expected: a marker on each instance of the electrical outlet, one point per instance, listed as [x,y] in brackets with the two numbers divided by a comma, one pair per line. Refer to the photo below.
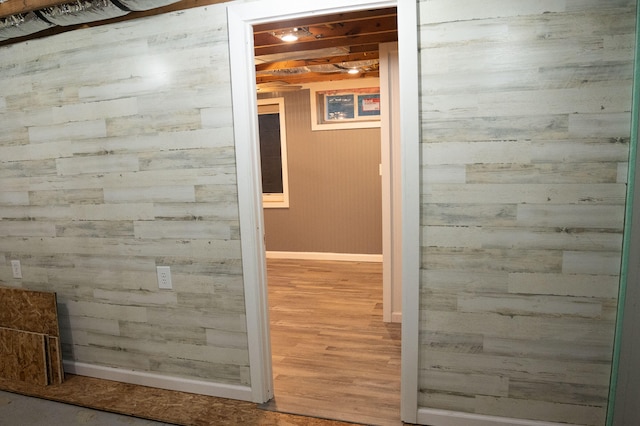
[164,277]
[16,269]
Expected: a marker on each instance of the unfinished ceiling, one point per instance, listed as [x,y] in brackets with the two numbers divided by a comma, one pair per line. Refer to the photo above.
[328,47]
[22,20]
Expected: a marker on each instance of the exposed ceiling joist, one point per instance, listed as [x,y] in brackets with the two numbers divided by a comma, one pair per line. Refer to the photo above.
[327,48]
[334,44]
[19,7]
[325,19]
[280,65]
[13,7]
[313,77]
[333,30]
[355,40]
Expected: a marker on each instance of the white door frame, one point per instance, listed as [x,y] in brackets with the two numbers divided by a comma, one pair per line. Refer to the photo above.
[391,184]
[241,18]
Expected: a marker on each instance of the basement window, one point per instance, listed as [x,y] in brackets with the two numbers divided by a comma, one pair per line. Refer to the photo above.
[273,153]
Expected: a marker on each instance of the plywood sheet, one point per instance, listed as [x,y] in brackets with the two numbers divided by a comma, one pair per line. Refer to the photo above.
[23,356]
[29,310]
[56,371]
[173,407]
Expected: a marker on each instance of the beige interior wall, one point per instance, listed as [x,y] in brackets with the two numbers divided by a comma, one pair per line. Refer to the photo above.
[525,140]
[117,155]
[335,202]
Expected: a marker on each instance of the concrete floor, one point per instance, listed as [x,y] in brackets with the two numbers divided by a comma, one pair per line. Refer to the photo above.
[22,410]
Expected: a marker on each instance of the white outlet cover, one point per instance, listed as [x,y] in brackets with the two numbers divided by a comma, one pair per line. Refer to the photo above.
[164,277]
[16,269]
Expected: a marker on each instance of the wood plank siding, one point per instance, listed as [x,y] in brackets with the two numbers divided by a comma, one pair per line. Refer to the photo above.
[117,155]
[525,129]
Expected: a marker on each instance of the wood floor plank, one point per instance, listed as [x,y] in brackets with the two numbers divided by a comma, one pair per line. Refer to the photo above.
[333,356]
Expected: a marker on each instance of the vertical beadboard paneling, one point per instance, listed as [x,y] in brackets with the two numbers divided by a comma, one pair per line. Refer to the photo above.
[117,155]
[525,132]
[335,192]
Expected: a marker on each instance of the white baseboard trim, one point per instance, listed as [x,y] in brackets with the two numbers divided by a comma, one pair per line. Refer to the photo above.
[143,378]
[435,417]
[345,257]
[396,316]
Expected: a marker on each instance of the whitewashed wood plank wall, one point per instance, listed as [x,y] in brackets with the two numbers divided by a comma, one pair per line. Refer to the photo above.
[525,139]
[117,155]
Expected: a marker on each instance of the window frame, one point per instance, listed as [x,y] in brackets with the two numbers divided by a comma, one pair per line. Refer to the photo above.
[278,200]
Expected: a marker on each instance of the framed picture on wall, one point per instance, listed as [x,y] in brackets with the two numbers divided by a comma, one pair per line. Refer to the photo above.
[348,104]
[338,107]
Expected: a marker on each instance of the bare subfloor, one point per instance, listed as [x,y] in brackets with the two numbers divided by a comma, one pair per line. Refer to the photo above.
[161,405]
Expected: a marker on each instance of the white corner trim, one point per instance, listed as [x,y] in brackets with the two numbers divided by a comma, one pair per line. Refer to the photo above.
[345,257]
[245,131]
[435,417]
[143,378]
[396,316]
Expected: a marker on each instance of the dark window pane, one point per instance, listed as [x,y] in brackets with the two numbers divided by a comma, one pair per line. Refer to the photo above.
[270,153]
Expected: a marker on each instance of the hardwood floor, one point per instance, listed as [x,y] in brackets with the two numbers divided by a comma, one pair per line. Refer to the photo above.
[333,356]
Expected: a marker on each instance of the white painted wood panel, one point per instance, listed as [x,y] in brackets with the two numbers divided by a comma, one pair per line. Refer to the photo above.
[521,368]
[465,383]
[117,155]
[564,285]
[438,11]
[587,331]
[542,410]
[525,143]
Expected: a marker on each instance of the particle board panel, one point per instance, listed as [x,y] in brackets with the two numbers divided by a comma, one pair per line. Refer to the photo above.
[54,352]
[23,356]
[174,407]
[27,310]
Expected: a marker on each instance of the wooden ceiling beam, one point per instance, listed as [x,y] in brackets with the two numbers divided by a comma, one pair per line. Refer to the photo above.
[384,37]
[280,65]
[364,48]
[337,30]
[325,19]
[313,77]
[14,7]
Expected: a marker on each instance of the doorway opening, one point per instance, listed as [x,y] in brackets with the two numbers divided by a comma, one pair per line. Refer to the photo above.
[329,341]
[242,19]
